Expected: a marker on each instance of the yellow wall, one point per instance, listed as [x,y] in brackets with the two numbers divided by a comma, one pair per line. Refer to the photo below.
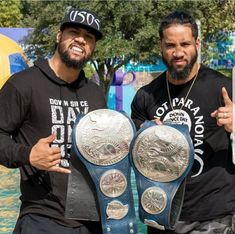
[7,47]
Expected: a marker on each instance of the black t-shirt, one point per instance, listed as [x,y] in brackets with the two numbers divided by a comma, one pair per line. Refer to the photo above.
[210,189]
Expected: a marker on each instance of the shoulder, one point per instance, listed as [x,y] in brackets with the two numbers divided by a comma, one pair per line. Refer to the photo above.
[22,82]
[154,86]
[24,77]
[93,86]
[213,81]
[94,92]
[148,94]
[212,75]
[19,87]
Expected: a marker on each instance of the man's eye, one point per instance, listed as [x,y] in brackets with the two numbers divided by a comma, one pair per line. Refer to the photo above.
[186,44]
[73,32]
[169,46]
[90,36]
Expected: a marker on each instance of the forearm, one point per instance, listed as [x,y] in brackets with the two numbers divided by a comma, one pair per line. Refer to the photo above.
[12,154]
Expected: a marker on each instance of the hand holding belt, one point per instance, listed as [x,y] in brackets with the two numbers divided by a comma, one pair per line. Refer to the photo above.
[101,140]
[162,156]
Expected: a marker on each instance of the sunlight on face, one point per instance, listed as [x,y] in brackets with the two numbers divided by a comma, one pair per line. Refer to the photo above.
[75,46]
[179,50]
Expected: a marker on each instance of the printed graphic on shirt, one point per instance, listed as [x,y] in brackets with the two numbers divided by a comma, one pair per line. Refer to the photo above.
[63,114]
[179,116]
[189,116]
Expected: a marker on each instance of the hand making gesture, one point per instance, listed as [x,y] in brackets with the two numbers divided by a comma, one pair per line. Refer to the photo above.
[44,157]
[224,115]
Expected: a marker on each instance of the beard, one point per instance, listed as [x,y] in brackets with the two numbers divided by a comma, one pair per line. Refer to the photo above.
[66,59]
[183,73]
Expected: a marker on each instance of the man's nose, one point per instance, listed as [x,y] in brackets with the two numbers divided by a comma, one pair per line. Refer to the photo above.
[80,39]
[178,52]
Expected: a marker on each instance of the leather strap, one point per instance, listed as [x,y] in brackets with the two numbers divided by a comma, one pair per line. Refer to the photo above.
[166,196]
[117,212]
[81,203]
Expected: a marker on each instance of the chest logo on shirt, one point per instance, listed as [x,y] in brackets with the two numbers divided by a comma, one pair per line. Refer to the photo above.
[63,116]
[179,116]
[190,116]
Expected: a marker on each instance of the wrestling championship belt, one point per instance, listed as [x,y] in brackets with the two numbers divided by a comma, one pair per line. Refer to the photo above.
[161,156]
[101,140]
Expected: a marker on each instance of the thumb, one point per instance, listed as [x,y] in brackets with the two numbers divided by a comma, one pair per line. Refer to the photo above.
[49,139]
[227,100]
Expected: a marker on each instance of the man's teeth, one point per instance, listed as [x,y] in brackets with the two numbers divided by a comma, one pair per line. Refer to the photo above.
[76,49]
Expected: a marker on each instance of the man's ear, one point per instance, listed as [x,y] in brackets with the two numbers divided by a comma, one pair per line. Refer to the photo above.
[58,36]
[198,43]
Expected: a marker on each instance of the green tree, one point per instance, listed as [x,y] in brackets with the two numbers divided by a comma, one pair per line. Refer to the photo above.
[10,13]
[130,27]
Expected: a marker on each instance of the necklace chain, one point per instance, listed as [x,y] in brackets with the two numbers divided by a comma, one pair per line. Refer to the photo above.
[185,98]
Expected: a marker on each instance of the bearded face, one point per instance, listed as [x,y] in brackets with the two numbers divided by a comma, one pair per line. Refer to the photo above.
[183,72]
[75,47]
[179,50]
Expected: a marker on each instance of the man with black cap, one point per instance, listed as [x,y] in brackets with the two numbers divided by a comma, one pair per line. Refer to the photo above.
[38,108]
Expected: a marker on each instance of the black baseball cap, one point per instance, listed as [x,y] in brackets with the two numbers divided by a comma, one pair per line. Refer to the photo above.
[84,19]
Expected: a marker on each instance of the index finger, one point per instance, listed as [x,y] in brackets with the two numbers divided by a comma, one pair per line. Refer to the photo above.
[227,100]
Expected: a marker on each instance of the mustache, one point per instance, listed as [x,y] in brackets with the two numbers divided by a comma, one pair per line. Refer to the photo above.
[178,59]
